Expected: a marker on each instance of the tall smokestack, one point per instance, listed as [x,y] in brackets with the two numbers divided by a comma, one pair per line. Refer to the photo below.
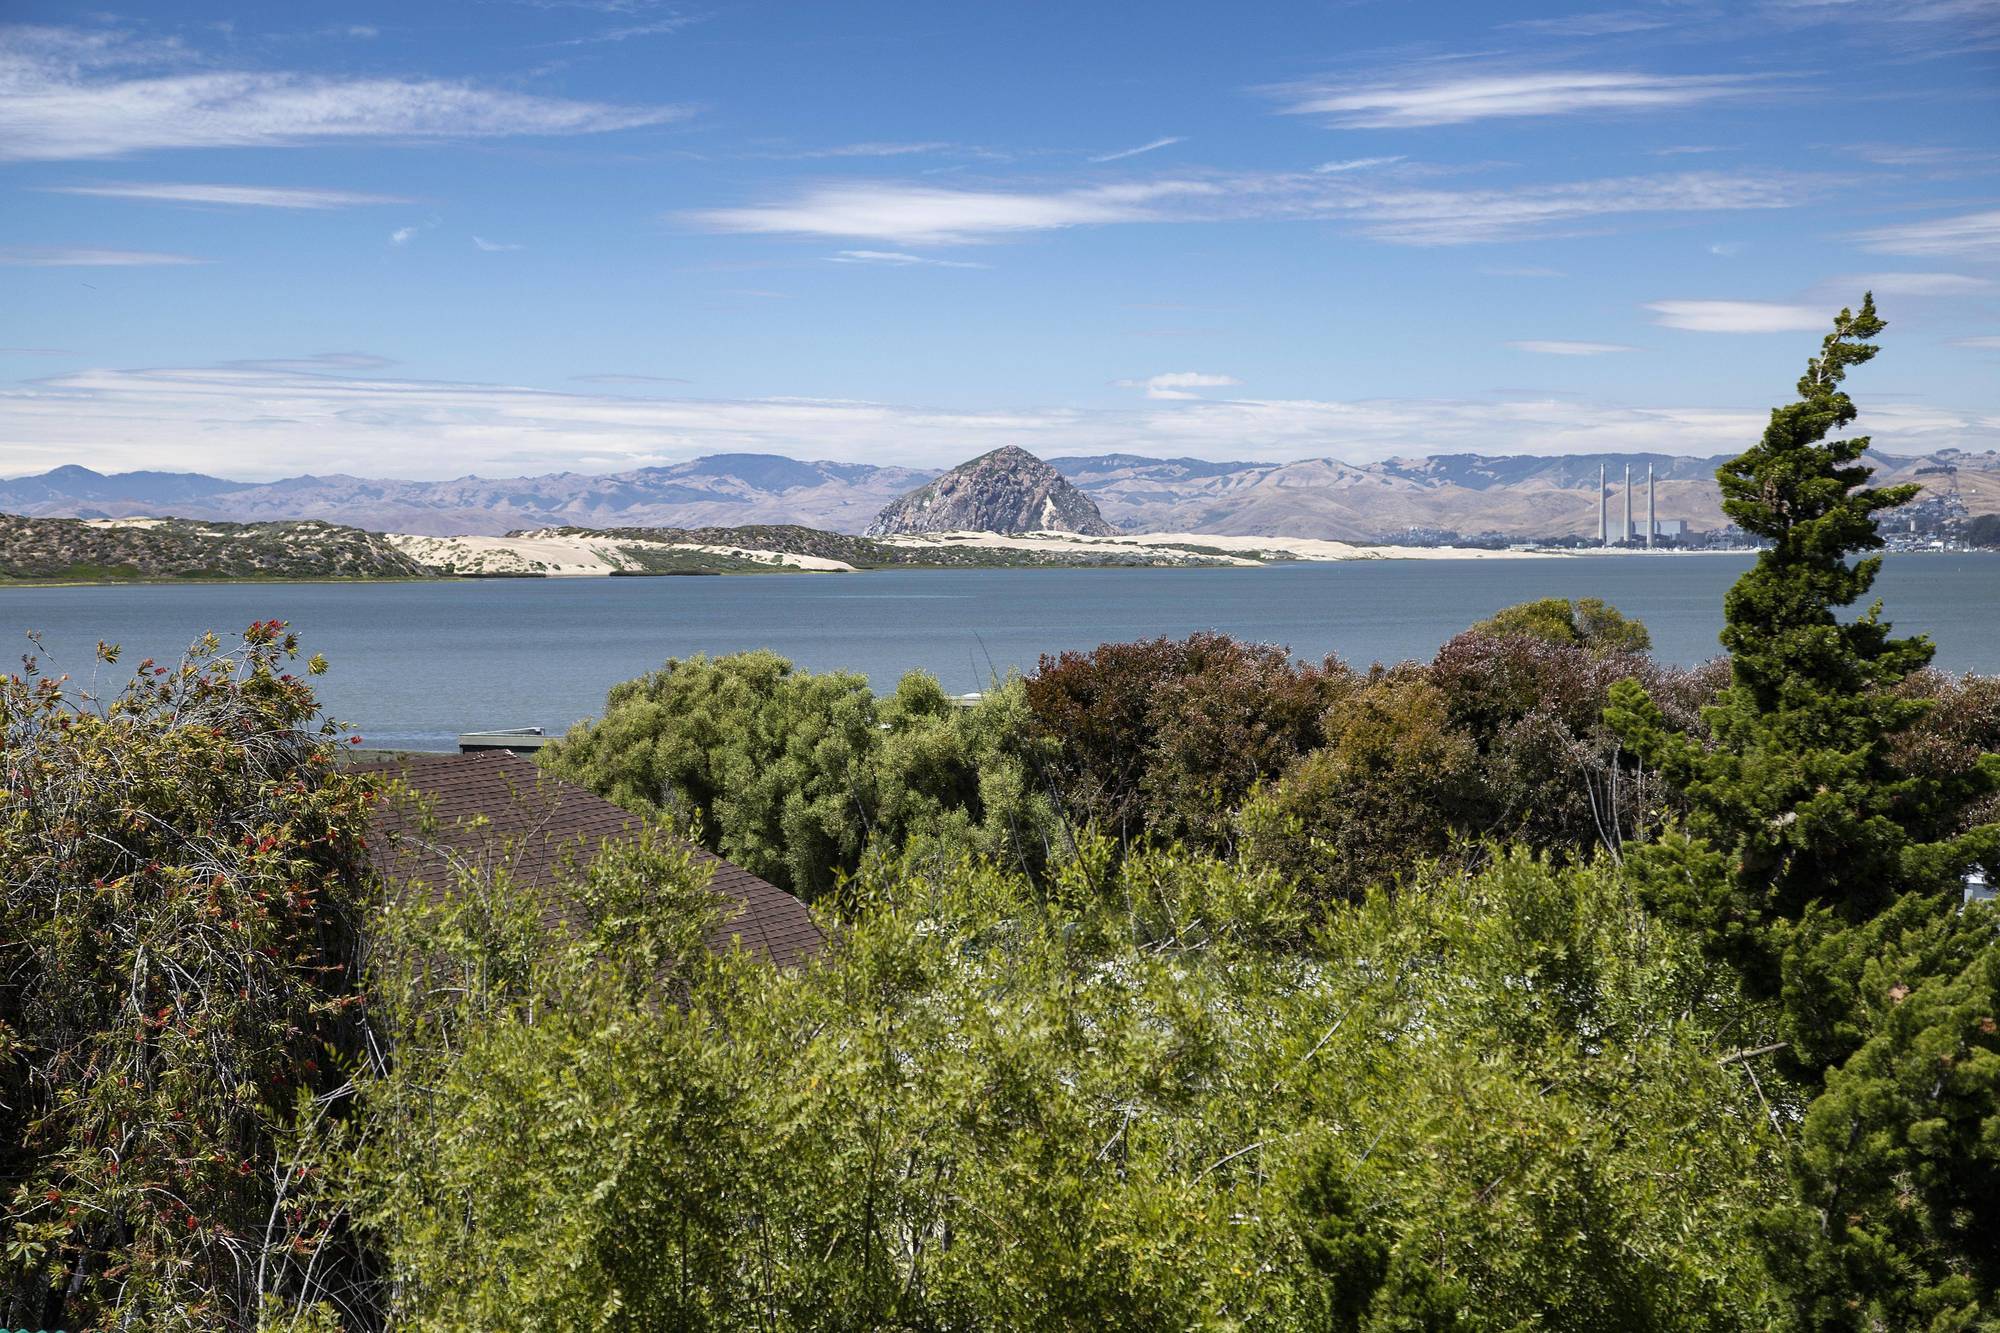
[1603,512]
[1628,506]
[1652,513]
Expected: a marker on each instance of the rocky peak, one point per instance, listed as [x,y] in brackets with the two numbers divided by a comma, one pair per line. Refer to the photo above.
[1008,490]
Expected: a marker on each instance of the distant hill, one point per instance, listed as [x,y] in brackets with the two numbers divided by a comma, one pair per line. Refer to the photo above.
[1008,490]
[722,489]
[110,549]
[1511,495]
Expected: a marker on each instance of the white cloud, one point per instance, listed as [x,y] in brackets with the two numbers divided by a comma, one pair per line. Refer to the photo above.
[1970,236]
[655,28]
[1913,284]
[262,424]
[402,235]
[897,259]
[67,94]
[1521,271]
[494,247]
[319,363]
[614,378]
[870,148]
[1604,23]
[1738,316]
[1423,97]
[1985,342]
[1726,249]
[932,215]
[247,196]
[928,215]
[1460,217]
[1167,142]
[79,257]
[1563,347]
[1355,164]
[1177,384]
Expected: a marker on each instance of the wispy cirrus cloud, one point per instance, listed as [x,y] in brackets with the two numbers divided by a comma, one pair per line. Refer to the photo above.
[1167,142]
[614,378]
[241,196]
[1385,211]
[1355,164]
[872,148]
[1969,236]
[1426,95]
[1911,284]
[1461,217]
[1180,384]
[1601,23]
[1737,316]
[898,259]
[57,256]
[68,94]
[319,363]
[1564,347]
[485,246]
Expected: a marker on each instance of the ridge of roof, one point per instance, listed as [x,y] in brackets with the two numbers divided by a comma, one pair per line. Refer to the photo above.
[489,804]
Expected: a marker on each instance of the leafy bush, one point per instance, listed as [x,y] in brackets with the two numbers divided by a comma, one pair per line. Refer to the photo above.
[1140,1099]
[1163,739]
[180,887]
[1394,785]
[1590,623]
[794,775]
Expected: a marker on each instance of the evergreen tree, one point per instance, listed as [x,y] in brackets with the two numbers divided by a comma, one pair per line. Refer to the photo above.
[1799,789]
[1829,872]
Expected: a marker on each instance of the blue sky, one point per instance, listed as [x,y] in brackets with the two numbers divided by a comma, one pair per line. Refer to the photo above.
[423,240]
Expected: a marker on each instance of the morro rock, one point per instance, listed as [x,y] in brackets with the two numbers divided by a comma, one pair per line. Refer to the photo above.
[1008,490]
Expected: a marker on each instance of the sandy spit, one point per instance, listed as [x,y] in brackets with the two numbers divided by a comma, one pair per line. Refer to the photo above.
[1174,547]
[569,556]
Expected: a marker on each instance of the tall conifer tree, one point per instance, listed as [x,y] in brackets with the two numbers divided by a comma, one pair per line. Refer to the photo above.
[1830,878]
[1799,790]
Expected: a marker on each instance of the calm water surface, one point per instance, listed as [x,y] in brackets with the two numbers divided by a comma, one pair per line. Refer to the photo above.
[414,664]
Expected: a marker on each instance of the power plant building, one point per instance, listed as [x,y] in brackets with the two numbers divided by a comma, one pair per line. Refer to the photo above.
[1633,532]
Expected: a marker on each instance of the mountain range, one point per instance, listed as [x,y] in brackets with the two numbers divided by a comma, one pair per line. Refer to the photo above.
[1511,495]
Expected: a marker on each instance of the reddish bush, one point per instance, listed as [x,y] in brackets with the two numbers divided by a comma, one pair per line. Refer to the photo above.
[1166,737]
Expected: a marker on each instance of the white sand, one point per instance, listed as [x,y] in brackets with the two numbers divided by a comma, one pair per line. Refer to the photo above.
[123,522]
[572,556]
[1172,547]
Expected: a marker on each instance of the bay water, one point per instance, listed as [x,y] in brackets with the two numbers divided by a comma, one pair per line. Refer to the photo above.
[415,664]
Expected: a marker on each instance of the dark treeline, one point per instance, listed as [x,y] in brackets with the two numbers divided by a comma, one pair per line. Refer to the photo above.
[1178,985]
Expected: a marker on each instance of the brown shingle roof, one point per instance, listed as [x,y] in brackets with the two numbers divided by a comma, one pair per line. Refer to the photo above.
[492,809]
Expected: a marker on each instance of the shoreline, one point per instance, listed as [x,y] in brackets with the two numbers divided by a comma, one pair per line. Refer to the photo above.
[1275,560]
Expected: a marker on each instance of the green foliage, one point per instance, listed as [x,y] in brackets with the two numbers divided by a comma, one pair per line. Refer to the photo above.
[794,775]
[180,884]
[1392,787]
[1829,830]
[1164,738]
[1800,788]
[1590,623]
[1899,1159]
[1139,1099]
